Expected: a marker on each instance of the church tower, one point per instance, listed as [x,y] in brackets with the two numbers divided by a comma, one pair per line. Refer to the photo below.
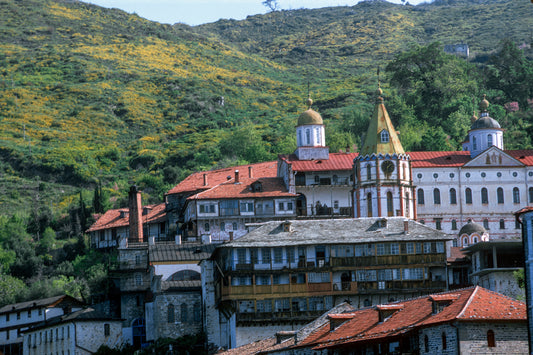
[310,135]
[484,133]
[383,181]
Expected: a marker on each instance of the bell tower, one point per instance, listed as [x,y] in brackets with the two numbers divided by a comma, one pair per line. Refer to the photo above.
[383,174]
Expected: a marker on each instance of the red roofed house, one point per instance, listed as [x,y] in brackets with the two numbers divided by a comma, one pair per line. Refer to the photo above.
[467,321]
[445,190]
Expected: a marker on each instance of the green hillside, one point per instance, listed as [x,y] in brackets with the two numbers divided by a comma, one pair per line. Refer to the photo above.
[92,94]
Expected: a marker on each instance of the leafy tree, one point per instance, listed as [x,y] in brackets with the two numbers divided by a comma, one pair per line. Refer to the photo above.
[13,289]
[439,87]
[273,5]
[7,258]
[511,72]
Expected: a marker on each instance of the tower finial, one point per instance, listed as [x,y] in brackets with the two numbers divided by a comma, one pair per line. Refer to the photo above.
[309,101]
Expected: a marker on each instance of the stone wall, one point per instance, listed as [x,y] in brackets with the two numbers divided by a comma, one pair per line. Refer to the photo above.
[186,317]
[435,340]
[249,334]
[511,338]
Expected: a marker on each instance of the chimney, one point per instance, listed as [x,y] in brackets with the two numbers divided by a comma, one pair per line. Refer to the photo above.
[136,226]
[231,236]
[236,176]
[178,239]
[250,172]
[283,335]
[205,179]
[406,226]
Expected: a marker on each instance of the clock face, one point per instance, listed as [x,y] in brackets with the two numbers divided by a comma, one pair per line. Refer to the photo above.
[387,167]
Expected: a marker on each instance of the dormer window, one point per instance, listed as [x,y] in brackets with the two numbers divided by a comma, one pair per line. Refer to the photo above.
[123,214]
[384,136]
[439,302]
[387,310]
[257,186]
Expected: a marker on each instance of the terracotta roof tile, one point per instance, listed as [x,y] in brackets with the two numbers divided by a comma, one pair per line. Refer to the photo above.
[271,187]
[116,218]
[456,254]
[438,159]
[336,162]
[474,303]
[195,182]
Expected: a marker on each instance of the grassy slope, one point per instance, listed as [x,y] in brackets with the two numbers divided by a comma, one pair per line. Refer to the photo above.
[91,93]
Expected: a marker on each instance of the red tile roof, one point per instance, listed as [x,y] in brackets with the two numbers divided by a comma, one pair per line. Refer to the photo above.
[271,187]
[456,255]
[471,304]
[438,159]
[195,181]
[113,219]
[525,155]
[336,162]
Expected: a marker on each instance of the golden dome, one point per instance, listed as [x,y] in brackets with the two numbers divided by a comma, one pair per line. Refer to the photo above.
[484,104]
[310,117]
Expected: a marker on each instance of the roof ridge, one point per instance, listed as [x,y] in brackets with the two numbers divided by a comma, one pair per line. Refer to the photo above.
[467,304]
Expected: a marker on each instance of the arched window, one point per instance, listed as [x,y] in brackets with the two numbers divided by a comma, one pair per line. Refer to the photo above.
[531,195]
[390,208]
[436,196]
[443,338]
[384,136]
[468,196]
[465,241]
[484,195]
[206,227]
[420,196]
[486,223]
[369,204]
[516,195]
[170,314]
[317,132]
[499,193]
[426,343]
[502,223]
[454,224]
[474,143]
[368,171]
[299,141]
[234,225]
[185,275]
[453,197]
[197,312]
[474,240]
[308,136]
[489,140]
[184,315]
[491,340]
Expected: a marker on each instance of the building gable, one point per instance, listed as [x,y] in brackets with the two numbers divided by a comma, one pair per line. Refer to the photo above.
[493,157]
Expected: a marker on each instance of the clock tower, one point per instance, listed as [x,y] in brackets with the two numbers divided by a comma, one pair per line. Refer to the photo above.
[383,174]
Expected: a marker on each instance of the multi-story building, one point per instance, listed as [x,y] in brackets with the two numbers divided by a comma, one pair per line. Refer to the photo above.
[484,183]
[16,318]
[222,212]
[284,274]
[468,321]
[81,332]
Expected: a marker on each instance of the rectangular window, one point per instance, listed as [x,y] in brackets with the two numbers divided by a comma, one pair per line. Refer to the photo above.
[318,277]
[410,248]
[29,313]
[102,235]
[18,315]
[278,255]
[262,280]
[229,208]
[418,248]
[281,206]
[438,223]
[241,256]
[380,249]
[427,248]
[366,275]
[247,206]
[289,206]
[7,316]
[265,255]
[440,247]
[394,249]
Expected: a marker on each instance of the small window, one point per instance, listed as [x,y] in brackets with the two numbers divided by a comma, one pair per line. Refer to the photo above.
[107,330]
[384,136]
[222,227]
[499,195]
[426,343]
[368,172]
[474,143]
[468,196]
[206,227]
[420,196]
[454,225]
[443,338]
[491,340]
[486,223]
[436,196]
[453,197]
[18,315]
[438,223]
[516,195]
[489,140]
[184,315]
[235,226]
[171,314]
[531,195]
[484,196]
[502,223]
[29,313]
